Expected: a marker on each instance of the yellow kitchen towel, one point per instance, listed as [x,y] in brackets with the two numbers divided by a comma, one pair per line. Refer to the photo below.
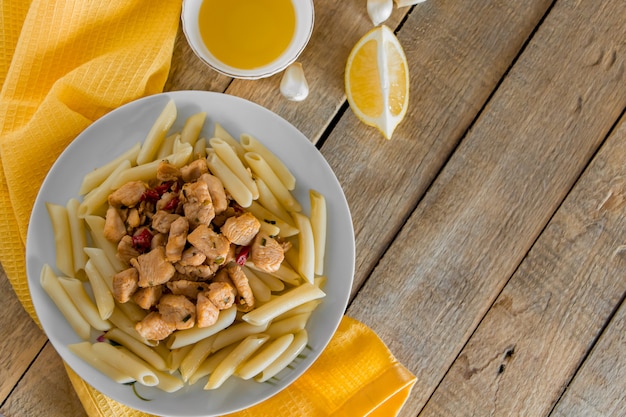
[64,64]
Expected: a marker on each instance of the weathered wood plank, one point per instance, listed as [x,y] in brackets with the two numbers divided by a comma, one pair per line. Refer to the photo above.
[45,390]
[496,193]
[530,344]
[21,338]
[457,52]
[599,388]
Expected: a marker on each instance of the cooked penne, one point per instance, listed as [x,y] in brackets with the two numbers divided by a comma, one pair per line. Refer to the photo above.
[260,290]
[251,144]
[307,307]
[297,346]
[264,357]
[273,283]
[122,322]
[195,357]
[144,352]
[96,228]
[227,367]
[191,129]
[62,238]
[51,285]
[285,302]
[318,226]
[77,234]
[157,133]
[99,260]
[232,183]
[96,201]
[167,148]
[268,200]
[176,356]
[189,336]
[284,273]
[262,169]
[221,133]
[167,382]
[228,155]
[235,333]
[208,366]
[126,361]
[75,290]
[270,229]
[94,178]
[102,294]
[291,324]
[84,351]
[306,243]
[199,149]
[264,215]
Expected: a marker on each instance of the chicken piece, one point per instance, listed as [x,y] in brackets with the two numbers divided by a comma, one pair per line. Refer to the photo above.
[218,194]
[194,170]
[114,227]
[153,327]
[125,284]
[222,294]
[169,201]
[162,221]
[245,301]
[153,267]
[189,289]
[133,219]
[240,230]
[177,239]
[178,310]
[206,312]
[168,172]
[128,195]
[198,206]
[192,257]
[266,253]
[126,250]
[222,276]
[214,245]
[197,272]
[160,239]
[147,297]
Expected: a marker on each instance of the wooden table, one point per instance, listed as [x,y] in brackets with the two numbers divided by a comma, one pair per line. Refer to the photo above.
[490,231]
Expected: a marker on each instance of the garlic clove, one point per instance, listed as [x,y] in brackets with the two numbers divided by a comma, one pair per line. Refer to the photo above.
[379,10]
[293,85]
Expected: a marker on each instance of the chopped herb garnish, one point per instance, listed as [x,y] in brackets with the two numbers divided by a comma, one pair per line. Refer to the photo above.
[186,318]
[263,242]
[219,260]
[269,221]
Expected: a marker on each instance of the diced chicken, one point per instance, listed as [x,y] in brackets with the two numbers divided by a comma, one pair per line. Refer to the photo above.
[266,253]
[206,312]
[147,297]
[162,221]
[178,310]
[128,195]
[198,272]
[245,300]
[218,194]
[194,170]
[160,239]
[240,230]
[114,227]
[222,294]
[168,201]
[222,276]
[189,289]
[153,327]
[133,219]
[126,250]
[125,284]
[214,245]
[153,267]
[198,206]
[192,257]
[168,172]
[177,239]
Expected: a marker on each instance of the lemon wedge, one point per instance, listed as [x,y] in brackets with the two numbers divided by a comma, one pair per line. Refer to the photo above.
[377,80]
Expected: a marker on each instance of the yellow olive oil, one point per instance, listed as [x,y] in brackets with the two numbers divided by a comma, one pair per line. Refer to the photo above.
[247,34]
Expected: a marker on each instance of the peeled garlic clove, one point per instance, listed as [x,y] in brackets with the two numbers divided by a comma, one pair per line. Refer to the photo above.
[379,10]
[293,85]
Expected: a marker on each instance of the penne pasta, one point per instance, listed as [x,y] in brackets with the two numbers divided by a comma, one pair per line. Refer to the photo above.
[78,235]
[251,144]
[268,200]
[84,351]
[157,133]
[297,346]
[191,129]
[199,149]
[127,362]
[146,353]
[285,302]
[232,183]
[198,353]
[62,238]
[228,155]
[101,292]
[266,216]
[273,283]
[208,366]
[306,243]
[284,273]
[167,148]
[99,260]
[122,322]
[75,290]
[318,225]
[227,367]
[189,336]
[221,133]
[264,357]
[167,382]
[95,202]
[176,356]
[94,178]
[262,169]
[260,290]
[51,285]
[235,333]
[291,324]
[96,228]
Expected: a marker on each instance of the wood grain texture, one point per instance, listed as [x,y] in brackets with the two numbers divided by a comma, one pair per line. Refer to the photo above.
[44,391]
[496,193]
[21,338]
[599,388]
[457,53]
[531,342]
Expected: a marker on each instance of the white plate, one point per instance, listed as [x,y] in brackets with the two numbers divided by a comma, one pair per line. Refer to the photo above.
[128,125]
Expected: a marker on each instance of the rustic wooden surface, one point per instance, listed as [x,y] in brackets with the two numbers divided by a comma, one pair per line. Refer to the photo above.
[490,231]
